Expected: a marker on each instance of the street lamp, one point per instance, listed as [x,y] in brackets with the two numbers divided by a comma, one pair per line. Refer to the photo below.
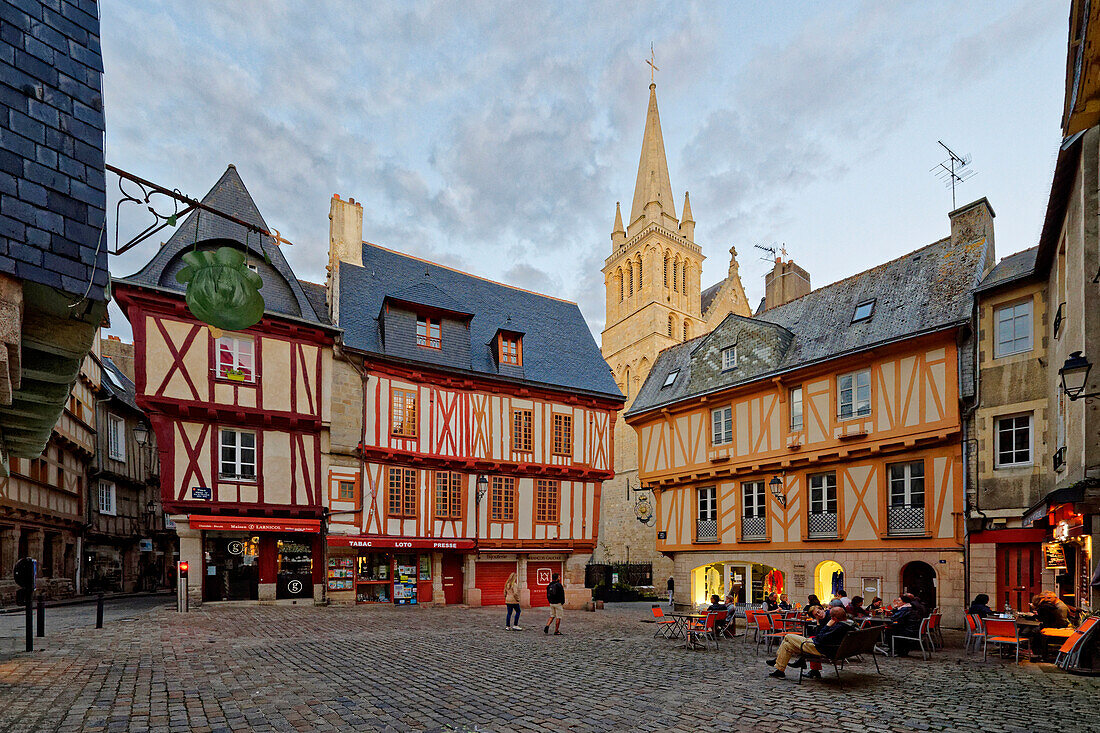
[141,433]
[1075,375]
[482,487]
[776,485]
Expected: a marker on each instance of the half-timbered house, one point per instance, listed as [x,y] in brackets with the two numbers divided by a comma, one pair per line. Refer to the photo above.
[473,427]
[241,418]
[818,445]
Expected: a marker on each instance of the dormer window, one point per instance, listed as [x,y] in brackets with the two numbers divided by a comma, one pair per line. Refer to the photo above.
[670,378]
[511,351]
[252,266]
[863,311]
[729,357]
[429,332]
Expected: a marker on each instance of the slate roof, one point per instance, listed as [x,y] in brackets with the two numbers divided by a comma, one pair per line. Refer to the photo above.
[558,348]
[317,298]
[426,293]
[926,290]
[118,384]
[1011,268]
[707,296]
[283,293]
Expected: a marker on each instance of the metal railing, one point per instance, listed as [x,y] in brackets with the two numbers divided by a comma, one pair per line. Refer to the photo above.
[706,530]
[822,525]
[753,528]
[905,519]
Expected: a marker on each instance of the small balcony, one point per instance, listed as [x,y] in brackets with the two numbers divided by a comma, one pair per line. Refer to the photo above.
[753,528]
[905,520]
[822,526]
[706,530]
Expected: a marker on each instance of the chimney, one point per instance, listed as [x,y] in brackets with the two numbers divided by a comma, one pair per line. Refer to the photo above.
[971,224]
[786,282]
[345,244]
[120,352]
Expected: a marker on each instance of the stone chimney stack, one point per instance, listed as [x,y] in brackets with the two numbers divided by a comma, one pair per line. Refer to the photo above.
[345,244]
[120,352]
[972,223]
[786,282]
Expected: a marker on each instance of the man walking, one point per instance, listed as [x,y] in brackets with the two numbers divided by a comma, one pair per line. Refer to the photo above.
[671,589]
[555,595]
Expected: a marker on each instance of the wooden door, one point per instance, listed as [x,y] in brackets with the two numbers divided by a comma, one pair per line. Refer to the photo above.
[453,578]
[1019,575]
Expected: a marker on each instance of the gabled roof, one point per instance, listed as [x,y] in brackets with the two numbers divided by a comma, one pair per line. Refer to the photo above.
[118,384]
[926,290]
[1010,269]
[558,348]
[283,294]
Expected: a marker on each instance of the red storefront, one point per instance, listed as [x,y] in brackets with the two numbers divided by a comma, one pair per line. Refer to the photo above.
[397,570]
[242,554]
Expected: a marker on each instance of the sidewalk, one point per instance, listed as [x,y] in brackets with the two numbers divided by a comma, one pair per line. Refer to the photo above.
[78,600]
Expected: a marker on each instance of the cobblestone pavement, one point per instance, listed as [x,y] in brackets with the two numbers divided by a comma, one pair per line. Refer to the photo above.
[278,668]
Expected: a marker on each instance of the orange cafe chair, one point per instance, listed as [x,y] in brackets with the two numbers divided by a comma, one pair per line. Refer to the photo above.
[666,627]
[1003,632]
[1071,649]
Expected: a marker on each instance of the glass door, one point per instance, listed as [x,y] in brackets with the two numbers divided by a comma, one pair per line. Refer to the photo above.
[232,567]
[295,575]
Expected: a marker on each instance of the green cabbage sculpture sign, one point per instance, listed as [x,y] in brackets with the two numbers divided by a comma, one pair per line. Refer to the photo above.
[221,290]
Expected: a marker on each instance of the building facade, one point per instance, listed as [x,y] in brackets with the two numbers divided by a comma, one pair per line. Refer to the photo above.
[472,431]
[241,419]
[818,445]
[654,299]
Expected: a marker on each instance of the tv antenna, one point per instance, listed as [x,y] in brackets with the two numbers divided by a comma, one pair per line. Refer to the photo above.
[953,171]
[771,249]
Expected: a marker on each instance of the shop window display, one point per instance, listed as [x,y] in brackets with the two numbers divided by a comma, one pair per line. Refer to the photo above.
[295,577]
[232,567]
[373,581]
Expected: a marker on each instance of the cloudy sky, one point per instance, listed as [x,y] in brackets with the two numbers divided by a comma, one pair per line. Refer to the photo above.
[497,137]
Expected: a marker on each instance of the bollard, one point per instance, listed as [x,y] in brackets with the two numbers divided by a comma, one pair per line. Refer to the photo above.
[30,621]
[99,611]
[41,616]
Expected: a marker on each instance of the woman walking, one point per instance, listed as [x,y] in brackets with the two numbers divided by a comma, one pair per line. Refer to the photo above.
[511,598]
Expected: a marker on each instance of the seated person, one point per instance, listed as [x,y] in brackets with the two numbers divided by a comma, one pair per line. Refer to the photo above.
[980,606]
[856,609]
[812,602]
[876,609]
[906,622]
[825,641]
[838,599]
[1050,610]
[915,602]
[784,602]
[771,603]
[717,605]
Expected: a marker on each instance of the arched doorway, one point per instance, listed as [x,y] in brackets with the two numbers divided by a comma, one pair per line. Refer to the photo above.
[919,578]
[828,580]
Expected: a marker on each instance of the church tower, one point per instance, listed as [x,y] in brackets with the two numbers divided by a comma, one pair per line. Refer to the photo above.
[654,300]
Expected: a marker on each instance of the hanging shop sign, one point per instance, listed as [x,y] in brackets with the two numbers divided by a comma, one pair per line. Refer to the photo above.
[399,543]
[1055,555]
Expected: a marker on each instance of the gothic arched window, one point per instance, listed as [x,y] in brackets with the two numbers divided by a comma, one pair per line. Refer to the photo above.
[639,264]
[619,277]
[675,275]
[626,383]
[687,329]
[671,326]
[684,278]
[666,270]
[629,279]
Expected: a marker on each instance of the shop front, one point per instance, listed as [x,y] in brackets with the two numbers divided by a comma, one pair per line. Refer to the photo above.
[1069,557]
[247,559]
[747,582]
[393,570]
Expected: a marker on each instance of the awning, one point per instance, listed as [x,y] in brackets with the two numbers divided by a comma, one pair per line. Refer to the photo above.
[1065,495]
[399,543]
[252,524]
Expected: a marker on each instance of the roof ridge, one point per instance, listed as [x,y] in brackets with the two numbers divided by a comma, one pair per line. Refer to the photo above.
[853,276]
[468,274]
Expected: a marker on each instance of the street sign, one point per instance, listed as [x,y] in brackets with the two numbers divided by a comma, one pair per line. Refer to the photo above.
[662,535]
[202,492]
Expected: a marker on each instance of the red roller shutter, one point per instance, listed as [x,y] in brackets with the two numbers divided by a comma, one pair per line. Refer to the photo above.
[489,578]
[538,577]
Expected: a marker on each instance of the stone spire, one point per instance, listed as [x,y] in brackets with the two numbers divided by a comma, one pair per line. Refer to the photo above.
[687,223]
[653,191]
[618,234]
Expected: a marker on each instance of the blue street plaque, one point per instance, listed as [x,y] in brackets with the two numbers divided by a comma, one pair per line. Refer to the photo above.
[662,535]
[202,492]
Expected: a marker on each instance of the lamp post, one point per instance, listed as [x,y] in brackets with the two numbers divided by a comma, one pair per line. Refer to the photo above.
[776,486]
[479,493]
[141,433]
[1075,375]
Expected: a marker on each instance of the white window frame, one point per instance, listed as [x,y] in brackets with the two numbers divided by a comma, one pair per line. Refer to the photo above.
[905,482]
[997,462]
[754,499]
[108,499]
[238,462]
[820,504]
[707,503]
[242,358]
[729,358]
[866,316]
[854,388]
[116,437]
[1019,316]
[669,379]
[801,424]
[721,422]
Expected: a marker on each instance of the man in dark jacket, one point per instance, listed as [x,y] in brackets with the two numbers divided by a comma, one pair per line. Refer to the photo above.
[555,596]
[826,641]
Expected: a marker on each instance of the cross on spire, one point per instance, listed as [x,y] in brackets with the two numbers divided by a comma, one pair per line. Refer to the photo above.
[652,66]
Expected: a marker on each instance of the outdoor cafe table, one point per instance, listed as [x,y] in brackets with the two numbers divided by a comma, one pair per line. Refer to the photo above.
[683,621]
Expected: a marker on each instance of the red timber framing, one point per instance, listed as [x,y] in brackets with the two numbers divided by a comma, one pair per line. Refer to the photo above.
[188,401]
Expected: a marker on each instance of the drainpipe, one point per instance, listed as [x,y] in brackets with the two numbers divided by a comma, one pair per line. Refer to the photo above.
[968,413]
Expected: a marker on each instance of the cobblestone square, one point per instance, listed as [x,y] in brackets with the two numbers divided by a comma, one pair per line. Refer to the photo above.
[279,668]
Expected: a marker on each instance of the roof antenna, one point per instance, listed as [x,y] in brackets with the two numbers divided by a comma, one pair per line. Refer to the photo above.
[953,171]
[770,249]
